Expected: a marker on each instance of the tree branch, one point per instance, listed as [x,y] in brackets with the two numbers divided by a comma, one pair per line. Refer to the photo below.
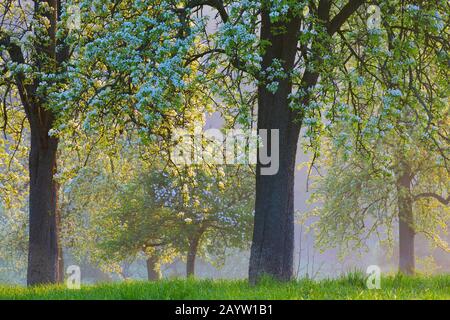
[216,4]
[343,15]
[439,198]
[16,55]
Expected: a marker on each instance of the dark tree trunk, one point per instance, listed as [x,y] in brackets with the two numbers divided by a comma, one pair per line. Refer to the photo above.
[273,236]
[192,254]
[43,262]
[153,270]
[406,222]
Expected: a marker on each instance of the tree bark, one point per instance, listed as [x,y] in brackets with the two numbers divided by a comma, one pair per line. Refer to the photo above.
[191,255]
[406,221]
[153,270]
[273,235]
[43,255]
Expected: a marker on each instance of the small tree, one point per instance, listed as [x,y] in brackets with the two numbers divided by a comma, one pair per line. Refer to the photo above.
[158,212]
[399,184]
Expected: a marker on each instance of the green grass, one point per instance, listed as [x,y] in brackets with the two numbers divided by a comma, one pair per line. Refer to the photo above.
[351,286]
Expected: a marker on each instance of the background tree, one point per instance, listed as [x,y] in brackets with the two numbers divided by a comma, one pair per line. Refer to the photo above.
[126,208]
[13,195]
[364,197]
[389,136]
[217,205]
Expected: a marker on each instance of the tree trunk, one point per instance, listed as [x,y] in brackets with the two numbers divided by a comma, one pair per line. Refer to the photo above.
[153,270]
[273,236]
[192,254]
[43,248]
[43,222]
[406,222]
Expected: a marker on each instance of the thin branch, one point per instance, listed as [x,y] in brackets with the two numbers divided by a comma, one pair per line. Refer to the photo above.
[439,198]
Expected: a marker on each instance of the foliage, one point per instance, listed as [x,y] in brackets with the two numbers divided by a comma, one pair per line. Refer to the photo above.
[358,198]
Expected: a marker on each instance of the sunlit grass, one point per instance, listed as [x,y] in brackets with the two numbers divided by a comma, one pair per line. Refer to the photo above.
[351,286]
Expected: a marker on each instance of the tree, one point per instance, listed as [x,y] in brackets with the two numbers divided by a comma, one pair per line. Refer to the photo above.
[218,209]
[285,65]
[33,56]
[388,156]
[369,196]
[129,207]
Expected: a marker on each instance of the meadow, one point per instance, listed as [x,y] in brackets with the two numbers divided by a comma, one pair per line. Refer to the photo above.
[349,287]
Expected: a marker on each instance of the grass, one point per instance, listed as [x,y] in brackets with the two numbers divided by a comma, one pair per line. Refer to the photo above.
[351,286]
